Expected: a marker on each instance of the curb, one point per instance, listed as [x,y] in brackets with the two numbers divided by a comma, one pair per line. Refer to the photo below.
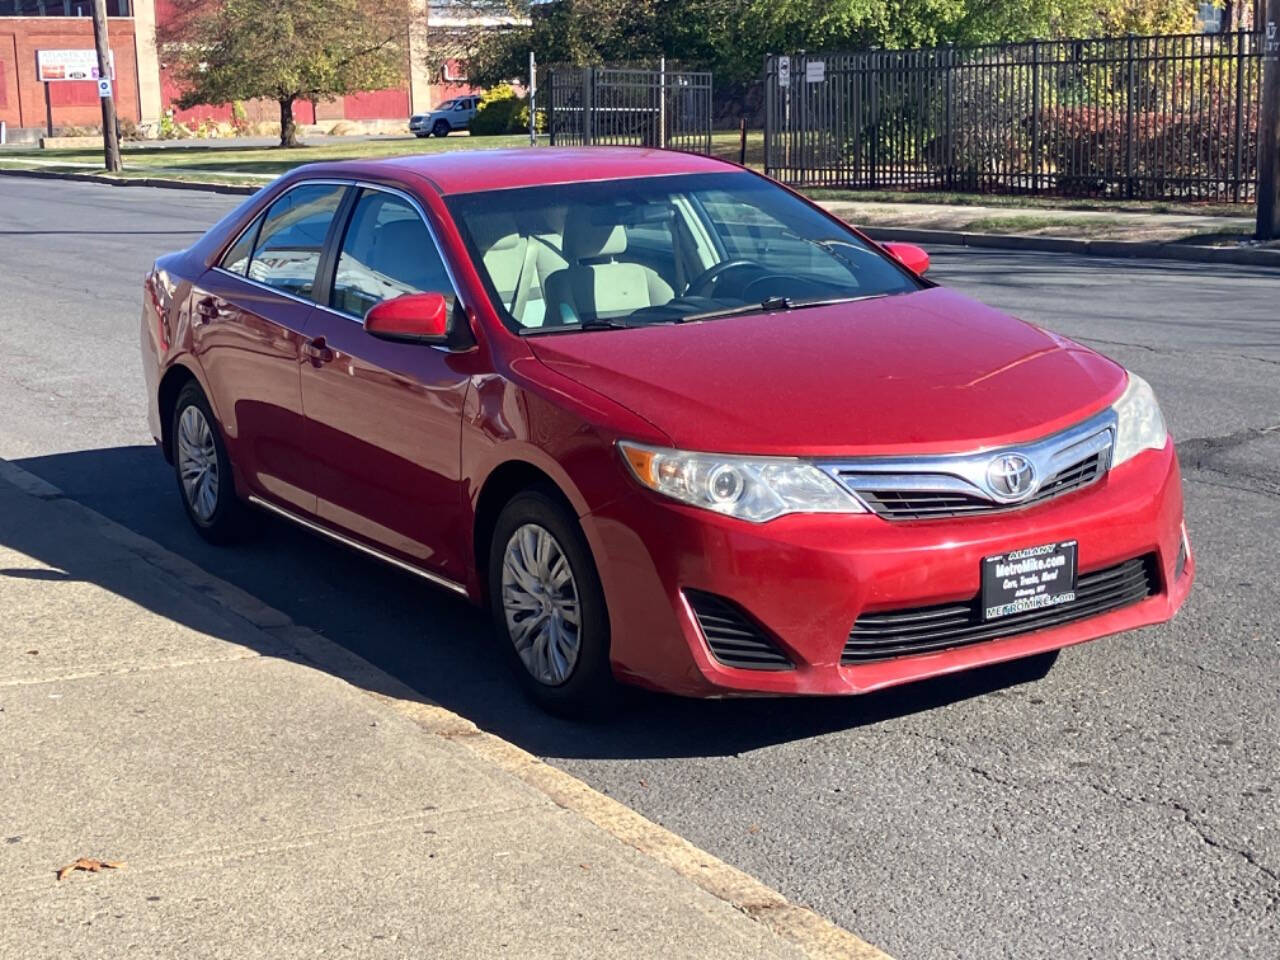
[1244,256]
[1001,241]
[133,181]
[816,936]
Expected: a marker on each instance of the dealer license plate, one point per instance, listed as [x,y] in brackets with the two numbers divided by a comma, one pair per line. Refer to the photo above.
[1029,579]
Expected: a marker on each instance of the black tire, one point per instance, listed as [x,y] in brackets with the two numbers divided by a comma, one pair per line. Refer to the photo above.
[441,128]
[589,691]
[230,519]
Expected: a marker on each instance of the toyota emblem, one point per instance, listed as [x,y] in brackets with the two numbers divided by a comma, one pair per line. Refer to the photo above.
[1011,476]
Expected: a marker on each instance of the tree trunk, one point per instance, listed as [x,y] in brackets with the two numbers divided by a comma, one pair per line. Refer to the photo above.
[288,128]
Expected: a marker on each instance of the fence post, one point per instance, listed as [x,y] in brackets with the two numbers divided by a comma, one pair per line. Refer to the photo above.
[551,106]
[873,62]
[1269,129]
[662,102]
[1128,139]
[770,112]
[799,66]
[1035,116]
[950,139]
[1235,161]
[588,104]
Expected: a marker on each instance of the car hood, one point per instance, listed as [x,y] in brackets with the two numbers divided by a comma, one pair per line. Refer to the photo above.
[926,372]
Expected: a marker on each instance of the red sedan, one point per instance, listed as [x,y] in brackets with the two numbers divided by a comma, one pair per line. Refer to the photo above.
[674,424]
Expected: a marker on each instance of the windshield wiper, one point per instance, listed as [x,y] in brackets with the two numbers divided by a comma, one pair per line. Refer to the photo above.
[597,323]
[777,303]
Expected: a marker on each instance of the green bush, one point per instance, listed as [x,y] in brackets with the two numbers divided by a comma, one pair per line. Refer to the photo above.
[500,111]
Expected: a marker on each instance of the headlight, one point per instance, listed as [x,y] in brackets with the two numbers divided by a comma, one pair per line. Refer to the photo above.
[750,488]
[1140,423]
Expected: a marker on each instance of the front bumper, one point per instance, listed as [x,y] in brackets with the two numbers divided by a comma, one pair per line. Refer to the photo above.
[807,578]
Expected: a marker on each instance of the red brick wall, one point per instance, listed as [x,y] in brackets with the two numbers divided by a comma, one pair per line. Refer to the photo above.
[75,103]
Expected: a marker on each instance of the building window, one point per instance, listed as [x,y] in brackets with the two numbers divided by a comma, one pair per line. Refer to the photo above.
[62,8]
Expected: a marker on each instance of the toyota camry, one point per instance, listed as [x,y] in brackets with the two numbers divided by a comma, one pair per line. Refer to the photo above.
[673,424]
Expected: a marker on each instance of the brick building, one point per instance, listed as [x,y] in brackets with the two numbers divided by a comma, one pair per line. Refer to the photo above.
[144,91]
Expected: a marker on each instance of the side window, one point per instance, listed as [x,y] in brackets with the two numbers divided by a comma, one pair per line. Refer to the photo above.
[386,253]
[236,259]
[292,236]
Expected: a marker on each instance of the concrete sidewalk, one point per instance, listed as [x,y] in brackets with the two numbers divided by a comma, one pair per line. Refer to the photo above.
[271,795]
[1099,224]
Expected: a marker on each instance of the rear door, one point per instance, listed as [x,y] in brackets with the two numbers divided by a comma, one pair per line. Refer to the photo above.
[384,420]
[249,318]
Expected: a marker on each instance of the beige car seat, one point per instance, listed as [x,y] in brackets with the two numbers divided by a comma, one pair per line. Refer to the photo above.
[596,284]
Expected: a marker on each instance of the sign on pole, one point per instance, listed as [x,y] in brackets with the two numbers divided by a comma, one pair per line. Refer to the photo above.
[1269,129]
[104,87]
[784,71]
[55,65]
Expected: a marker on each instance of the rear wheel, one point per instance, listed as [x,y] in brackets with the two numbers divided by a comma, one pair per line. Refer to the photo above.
[441,128]
[203,471]
[548,607]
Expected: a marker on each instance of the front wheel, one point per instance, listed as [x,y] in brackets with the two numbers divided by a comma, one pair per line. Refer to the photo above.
[441,128]
[203,471]
[548,607]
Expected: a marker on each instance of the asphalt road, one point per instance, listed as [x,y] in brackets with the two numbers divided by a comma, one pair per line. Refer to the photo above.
[1127,804]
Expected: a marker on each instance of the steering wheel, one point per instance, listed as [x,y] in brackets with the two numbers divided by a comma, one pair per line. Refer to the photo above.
[702,284]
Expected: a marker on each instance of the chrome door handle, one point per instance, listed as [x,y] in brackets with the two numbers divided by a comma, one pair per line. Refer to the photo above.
[207,309]
[317,351]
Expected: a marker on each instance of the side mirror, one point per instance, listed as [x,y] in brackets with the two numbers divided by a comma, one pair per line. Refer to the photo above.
[412,318]
[910,256]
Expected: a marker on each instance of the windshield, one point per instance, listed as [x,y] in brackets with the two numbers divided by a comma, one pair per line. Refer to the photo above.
[447,105]
[662,250]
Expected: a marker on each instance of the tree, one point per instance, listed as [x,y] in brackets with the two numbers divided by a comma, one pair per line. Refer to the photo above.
[731,37]
[285,50]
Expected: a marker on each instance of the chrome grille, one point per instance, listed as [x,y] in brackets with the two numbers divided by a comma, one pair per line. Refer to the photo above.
[953,486]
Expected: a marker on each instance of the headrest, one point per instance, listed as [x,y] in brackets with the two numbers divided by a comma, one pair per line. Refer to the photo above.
[502,244]
[493,231]
[584,239]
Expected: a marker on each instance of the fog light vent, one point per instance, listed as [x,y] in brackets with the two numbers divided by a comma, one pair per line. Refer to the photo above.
[734,639]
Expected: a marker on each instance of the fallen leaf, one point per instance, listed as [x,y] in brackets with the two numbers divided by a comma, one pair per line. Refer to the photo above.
[33,653]
[90,865]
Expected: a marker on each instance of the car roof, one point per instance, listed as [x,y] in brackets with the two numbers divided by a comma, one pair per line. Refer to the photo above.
[470,171]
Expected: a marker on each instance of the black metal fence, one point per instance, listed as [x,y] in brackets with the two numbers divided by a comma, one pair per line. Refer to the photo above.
[629,106]
[1147,117]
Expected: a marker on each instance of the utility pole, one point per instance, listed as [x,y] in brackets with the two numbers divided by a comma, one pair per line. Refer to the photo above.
[1269,126]
[110,143]
[533,100]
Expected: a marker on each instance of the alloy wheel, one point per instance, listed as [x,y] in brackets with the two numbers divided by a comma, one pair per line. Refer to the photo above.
[540,601]
[198,463]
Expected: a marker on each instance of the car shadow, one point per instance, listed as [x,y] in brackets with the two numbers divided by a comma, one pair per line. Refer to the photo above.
[431,640]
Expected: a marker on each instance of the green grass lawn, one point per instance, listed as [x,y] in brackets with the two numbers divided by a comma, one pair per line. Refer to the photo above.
[254,165]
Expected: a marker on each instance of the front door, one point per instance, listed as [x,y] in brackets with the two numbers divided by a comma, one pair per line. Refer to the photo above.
[384,420]
[249,317]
